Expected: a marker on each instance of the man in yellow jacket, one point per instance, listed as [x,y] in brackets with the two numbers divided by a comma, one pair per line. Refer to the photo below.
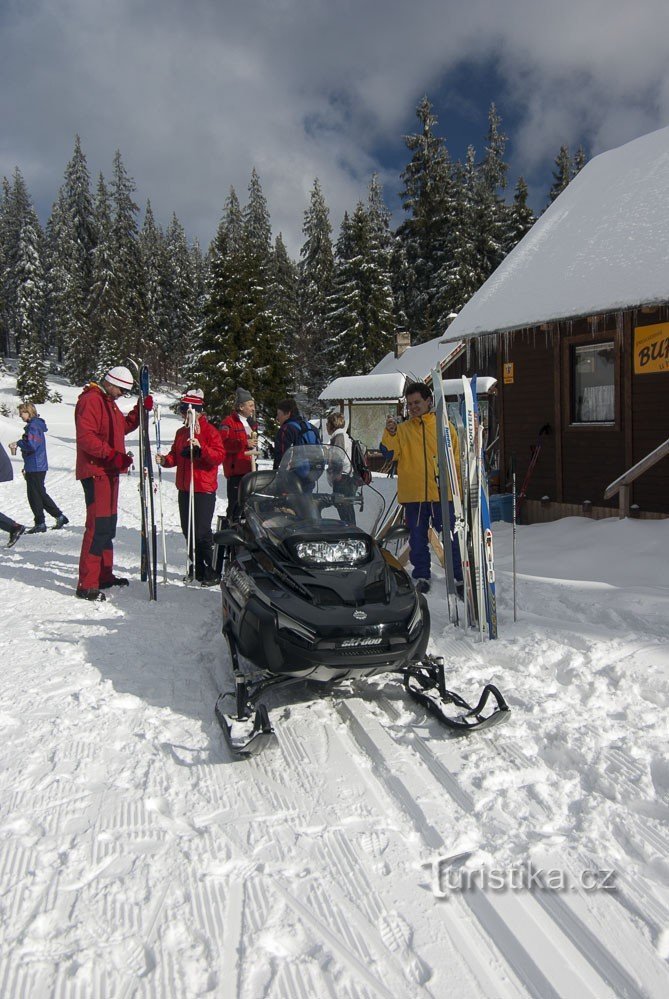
[414,447]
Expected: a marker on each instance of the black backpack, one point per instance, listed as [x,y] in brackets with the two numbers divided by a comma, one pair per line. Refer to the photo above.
[359,462]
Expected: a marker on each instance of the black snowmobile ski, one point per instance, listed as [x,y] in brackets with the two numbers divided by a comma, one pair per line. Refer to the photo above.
[425,682]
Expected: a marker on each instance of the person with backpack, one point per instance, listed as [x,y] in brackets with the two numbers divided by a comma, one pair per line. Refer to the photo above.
[33,448]
[239,434]
[293,429]
[13,528]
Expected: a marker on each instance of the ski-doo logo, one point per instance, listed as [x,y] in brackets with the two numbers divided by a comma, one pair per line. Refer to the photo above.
[357,642]
[359,615]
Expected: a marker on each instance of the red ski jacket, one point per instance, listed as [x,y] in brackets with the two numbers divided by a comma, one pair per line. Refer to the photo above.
[101,428]
[235,441]
[205,468]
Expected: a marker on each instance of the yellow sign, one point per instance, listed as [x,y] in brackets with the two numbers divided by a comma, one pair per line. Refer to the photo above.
[508,373]
[651,349]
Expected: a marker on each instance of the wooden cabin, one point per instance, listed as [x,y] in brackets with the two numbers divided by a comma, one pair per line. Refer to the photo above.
[575,326]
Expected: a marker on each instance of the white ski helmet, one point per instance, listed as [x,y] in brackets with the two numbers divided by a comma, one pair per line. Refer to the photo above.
[121,377]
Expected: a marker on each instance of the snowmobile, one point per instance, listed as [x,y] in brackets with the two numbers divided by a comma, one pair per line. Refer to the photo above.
[310,594]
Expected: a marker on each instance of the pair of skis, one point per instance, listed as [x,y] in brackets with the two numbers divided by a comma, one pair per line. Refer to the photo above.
[469,491]
[149,535]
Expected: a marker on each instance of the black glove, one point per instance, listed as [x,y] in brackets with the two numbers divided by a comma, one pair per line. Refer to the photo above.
[197,451]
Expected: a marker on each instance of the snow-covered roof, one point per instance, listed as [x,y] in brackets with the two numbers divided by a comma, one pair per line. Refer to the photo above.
[603,245]
[417,362]
[389,385]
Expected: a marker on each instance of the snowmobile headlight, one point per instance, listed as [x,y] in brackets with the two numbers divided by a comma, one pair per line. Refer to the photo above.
[346,551]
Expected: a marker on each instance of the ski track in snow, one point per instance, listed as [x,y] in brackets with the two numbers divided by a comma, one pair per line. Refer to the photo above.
[138,860]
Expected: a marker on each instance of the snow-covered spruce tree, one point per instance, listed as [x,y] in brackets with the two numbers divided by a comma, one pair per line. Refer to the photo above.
[284,304]
[521,218]
[128,288]
[71,240]
[579,161]
[461,274]
[362,315]
[30,301]
[315,287]
[428,200]
[222,351]
[103,299]
[153,255]
[491,211]
[181,301]
[17,208]
[562,174]
[267,375]
[4,265]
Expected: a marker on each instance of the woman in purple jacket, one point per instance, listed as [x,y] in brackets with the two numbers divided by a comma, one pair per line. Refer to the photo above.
[33,448]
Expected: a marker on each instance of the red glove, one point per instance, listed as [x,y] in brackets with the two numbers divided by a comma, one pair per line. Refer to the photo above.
[148,403]
[119,461]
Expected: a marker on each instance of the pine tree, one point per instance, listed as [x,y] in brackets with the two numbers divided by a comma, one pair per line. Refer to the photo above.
[315,286]
[491,212]
[129,292]
[461,274]
[30,301]
[182,294]
[284,304]
[521,217]
[222,353]
[17,210]
[103,299]
[154,260]
[267,374]
[580,159]
[428,198]
[71,240]
[562,174]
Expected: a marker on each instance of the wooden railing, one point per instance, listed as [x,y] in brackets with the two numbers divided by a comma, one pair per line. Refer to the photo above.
[622,483]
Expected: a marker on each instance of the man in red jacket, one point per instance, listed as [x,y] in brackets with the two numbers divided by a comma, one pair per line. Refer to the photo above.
[207,451]
[239,436]
[101,457]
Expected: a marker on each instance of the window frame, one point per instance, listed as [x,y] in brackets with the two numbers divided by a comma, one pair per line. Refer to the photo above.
[569,380]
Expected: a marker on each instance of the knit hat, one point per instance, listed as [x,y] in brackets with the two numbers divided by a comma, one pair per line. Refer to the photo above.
[193,398]
[120,377]
[242,396]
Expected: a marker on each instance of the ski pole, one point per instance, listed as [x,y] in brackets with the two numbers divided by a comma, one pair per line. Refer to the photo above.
[191,497]
[156,425]
[513,518]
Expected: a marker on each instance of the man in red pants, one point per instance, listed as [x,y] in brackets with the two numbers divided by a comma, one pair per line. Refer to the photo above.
[101,457]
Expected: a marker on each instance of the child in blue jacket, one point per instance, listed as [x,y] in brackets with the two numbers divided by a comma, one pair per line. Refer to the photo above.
[33,448]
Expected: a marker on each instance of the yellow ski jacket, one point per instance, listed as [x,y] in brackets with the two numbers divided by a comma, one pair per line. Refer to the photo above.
[414,448]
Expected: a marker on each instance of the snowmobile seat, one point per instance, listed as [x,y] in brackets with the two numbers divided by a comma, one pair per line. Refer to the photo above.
[255,482]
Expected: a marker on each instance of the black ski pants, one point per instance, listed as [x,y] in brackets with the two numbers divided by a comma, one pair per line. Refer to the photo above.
[38,497]
[204,504]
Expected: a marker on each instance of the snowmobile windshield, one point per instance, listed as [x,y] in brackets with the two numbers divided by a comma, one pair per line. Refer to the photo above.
[314,489]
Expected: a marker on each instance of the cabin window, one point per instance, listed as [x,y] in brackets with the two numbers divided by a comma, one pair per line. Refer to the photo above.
[593,383]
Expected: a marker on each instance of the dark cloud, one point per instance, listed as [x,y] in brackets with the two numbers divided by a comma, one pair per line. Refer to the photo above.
[196,92]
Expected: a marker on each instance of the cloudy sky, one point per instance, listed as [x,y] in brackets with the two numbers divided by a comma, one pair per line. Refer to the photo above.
[196,92]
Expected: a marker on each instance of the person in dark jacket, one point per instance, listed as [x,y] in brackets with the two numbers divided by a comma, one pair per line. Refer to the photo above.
[207,451]
[101,457]
[293,429]
[35,466]
[13,528]
[239,434]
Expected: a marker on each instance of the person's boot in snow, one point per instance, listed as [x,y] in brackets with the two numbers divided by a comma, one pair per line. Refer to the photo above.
[61,521]
[15,534]
[89,594]
[37,529]
[114,581]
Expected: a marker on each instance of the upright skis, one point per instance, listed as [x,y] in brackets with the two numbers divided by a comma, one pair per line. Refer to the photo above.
[149,540]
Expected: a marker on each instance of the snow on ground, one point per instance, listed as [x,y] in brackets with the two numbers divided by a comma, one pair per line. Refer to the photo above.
[358,857]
